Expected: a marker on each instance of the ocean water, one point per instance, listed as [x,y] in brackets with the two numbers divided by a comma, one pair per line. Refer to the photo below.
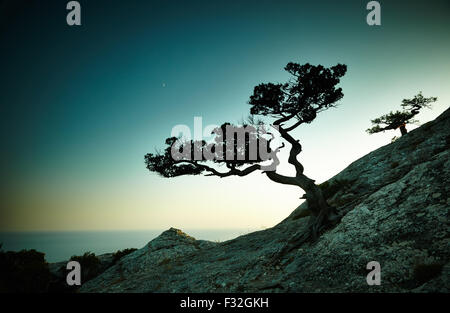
[60,246]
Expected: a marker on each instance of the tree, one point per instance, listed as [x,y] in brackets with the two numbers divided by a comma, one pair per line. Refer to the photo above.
[24,271]
[399,119]
[311,90]
[90,264]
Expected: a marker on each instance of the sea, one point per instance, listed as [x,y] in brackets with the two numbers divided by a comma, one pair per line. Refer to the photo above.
[61,245]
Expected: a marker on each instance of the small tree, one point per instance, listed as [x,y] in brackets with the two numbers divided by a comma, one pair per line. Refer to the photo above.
[90,264]
[312,89]
[399,119]
[24,271]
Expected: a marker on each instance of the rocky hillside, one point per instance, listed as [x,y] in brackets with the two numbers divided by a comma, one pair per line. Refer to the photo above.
[395,205]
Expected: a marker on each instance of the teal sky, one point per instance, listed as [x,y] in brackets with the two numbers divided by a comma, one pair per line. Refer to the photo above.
[81,106]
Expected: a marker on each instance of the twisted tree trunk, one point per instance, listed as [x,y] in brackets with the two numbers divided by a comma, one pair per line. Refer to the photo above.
[322,214]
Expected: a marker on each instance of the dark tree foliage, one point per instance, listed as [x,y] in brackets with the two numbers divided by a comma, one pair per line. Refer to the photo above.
[311,90]
[399,119]
[24,271]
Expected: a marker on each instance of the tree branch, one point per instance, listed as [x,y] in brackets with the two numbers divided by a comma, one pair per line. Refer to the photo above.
[231,172]
[295,150]
[300,121]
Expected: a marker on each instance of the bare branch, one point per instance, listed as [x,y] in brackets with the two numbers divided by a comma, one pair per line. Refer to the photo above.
[284,119]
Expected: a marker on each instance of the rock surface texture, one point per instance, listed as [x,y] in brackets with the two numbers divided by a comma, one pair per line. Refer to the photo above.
[395,206]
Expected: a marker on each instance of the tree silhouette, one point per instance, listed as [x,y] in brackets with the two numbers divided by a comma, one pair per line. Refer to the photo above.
[310,90]
[399,119]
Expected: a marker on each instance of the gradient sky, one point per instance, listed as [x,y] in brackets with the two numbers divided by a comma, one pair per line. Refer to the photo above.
[81,106]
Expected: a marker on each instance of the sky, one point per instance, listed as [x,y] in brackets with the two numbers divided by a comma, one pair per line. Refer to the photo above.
[82,105]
